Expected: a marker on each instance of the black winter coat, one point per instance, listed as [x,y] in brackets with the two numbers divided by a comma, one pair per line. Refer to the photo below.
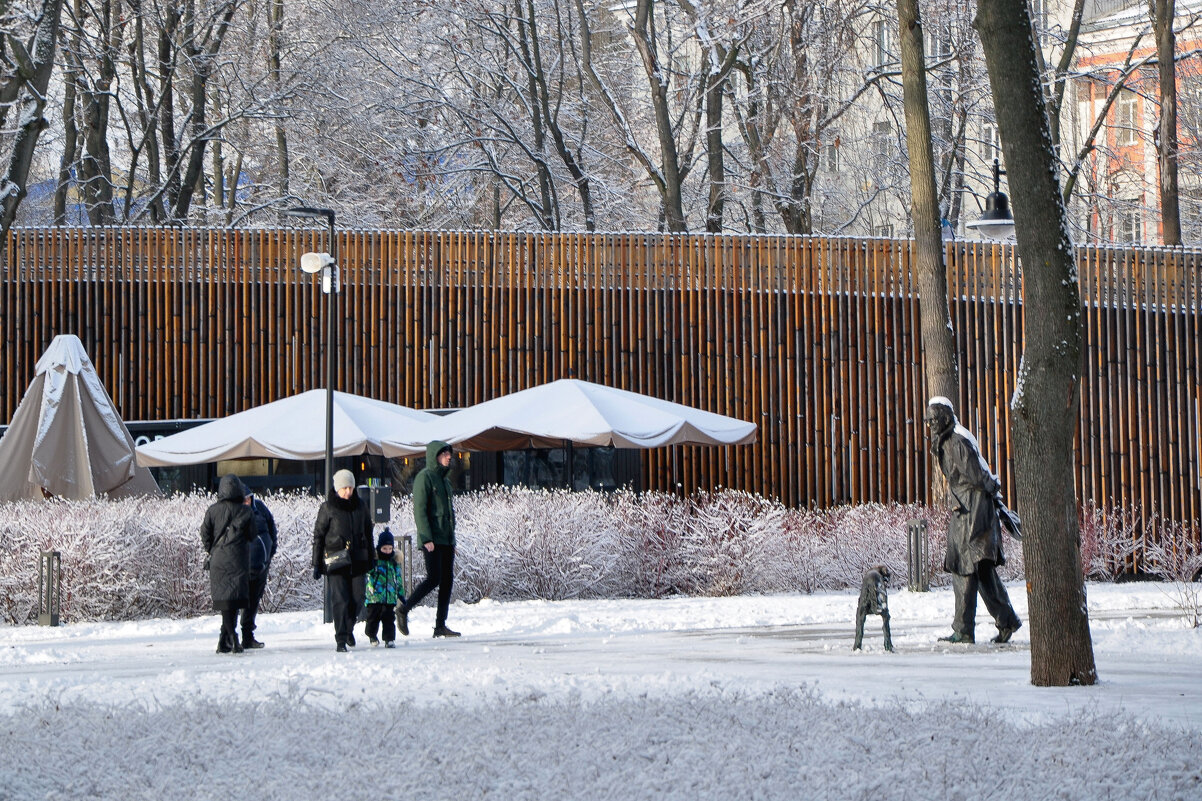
[226,534]
[341,523]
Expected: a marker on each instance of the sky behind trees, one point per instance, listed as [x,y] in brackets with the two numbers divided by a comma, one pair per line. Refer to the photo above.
[721,115]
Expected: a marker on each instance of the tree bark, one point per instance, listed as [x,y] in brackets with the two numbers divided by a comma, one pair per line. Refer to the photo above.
[1045,402]
[938,341]
[275,17]
[548,214]
[670,169]
[95,168]
[204,62]
[31,121]
[1164,12]
[66,163]
[715,93]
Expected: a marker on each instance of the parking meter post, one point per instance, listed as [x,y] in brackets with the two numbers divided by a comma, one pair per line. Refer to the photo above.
[918,555]
[407,563]
[50,588]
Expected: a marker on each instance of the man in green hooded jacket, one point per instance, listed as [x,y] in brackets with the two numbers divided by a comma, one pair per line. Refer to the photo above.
[435,518]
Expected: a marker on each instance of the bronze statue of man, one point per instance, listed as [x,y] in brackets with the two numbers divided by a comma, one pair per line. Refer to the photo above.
[974,533]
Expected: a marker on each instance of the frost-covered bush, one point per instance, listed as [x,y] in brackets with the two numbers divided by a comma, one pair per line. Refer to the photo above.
[138,558]
[521,543]
[142,558]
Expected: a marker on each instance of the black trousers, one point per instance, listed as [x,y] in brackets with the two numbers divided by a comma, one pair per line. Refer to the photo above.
[377,614]
[257,585]
[440,572]
[344,605]
[229,629]
[985,581]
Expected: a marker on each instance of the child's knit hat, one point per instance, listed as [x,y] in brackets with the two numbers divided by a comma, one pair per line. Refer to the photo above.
[386,538]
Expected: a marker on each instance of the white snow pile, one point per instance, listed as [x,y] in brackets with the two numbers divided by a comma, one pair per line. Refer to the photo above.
[755,697]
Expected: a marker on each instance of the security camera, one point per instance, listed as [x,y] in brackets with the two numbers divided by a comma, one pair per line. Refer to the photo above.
[315,262]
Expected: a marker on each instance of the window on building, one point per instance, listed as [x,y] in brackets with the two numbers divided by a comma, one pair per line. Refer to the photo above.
[882,136]
[1130,227]
[991,146]
[832,156]
[1126,118]
[884,231]
[939,41]
[882,54]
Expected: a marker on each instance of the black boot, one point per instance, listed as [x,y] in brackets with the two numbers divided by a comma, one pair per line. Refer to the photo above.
[443,631]
[1006,632]
[402,620]
[249,641]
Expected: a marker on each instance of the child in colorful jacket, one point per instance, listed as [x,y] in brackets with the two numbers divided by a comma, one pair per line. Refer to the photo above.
[384,591]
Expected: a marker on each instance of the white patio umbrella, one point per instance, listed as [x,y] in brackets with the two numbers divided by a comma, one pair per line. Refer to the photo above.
[66,437]
[577,412]
[291,428]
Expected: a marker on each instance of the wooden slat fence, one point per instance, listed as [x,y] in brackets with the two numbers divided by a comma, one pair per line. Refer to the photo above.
[815,339]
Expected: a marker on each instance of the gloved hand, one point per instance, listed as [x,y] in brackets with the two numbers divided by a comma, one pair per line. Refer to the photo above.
[317,574]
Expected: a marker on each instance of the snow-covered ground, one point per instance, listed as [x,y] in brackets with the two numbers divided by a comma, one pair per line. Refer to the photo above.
[744,697]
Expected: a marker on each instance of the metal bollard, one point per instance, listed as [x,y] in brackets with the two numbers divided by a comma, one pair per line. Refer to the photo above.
[407,563]
[50,588]
[918,552]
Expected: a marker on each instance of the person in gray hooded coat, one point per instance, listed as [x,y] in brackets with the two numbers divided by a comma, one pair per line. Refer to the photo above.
[226,533]
[974,533]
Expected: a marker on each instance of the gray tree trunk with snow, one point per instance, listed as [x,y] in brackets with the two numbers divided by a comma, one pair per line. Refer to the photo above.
[1045,402]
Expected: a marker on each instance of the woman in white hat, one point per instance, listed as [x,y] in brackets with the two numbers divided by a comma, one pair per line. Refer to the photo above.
[342,550]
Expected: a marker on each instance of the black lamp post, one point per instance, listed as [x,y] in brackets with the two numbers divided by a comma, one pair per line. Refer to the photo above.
[327,265]
[996,221]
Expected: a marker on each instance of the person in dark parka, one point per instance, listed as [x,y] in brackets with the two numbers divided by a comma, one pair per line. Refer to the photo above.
[262,549]
[434,517]
[226,533]
[343,521]
[974,535]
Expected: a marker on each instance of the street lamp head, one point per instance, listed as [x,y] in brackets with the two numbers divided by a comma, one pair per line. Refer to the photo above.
[315,262]
[996,222]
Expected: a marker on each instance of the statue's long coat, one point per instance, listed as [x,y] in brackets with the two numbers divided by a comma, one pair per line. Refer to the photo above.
[974,533]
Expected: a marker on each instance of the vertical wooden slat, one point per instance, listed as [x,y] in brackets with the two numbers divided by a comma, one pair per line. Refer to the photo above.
[814,339]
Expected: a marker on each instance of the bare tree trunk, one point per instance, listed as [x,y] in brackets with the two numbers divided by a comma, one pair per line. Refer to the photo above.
[166,117]
[1044,407]
[36,78]
[95,168]
[1164,12]
[203,59]
[66,163]
[548,215]
[235,171]
[275,12]
[670,187]
[715,93]
[938,342]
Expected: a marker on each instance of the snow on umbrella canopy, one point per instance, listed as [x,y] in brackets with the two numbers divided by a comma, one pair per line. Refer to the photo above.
[291,428]
[580,412]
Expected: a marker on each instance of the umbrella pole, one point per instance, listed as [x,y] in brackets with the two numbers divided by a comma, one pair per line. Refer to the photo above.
[570,480]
